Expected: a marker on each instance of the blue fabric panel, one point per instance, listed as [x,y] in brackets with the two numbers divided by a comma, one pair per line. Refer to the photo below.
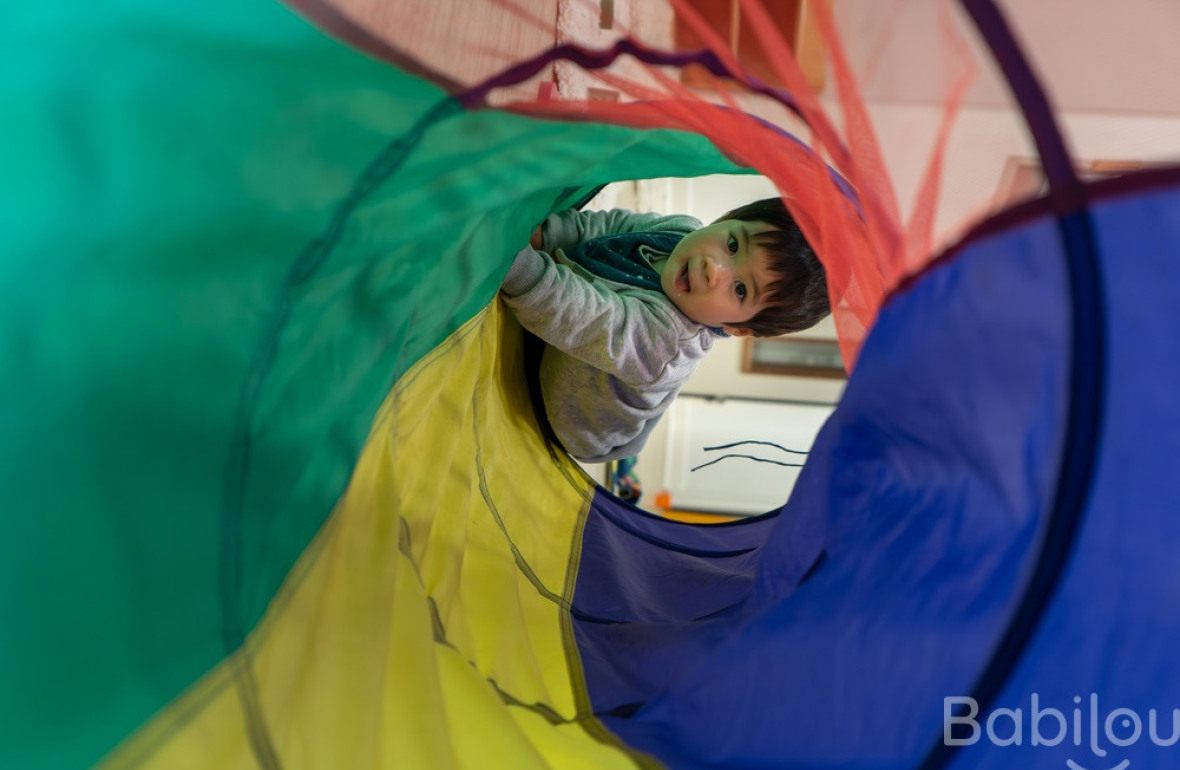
[1113,630]
[928,489]
[647,586]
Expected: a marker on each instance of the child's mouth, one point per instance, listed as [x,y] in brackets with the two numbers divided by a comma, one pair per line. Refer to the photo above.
[682,282]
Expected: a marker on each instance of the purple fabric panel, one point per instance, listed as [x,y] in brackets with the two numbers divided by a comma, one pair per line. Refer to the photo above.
[652,593]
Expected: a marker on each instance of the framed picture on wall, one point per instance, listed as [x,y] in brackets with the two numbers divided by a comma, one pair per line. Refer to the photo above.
[793,356]
[1022,178]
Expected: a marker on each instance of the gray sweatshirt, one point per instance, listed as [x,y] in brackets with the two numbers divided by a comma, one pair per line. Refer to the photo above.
[616,355]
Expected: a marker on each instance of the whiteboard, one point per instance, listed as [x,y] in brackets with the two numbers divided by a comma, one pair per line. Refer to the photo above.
[736,485]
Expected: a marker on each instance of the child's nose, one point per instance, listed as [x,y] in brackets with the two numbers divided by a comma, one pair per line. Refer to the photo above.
[713,271]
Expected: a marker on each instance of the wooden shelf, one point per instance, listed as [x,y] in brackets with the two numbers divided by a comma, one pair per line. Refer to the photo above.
[796,24]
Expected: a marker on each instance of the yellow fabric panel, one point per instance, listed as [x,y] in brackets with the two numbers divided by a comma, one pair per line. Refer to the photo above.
[426,625]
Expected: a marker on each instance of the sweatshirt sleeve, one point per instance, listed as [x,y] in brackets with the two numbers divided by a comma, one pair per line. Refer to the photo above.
[568,228]
[632,335]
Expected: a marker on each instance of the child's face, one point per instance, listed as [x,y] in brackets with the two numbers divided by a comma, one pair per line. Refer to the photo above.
[716,276]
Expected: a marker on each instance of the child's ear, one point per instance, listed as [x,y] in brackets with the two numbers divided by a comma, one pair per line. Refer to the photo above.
[737,331]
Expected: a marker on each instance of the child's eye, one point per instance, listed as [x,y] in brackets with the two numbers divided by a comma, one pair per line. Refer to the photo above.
[740,288]
[733,245]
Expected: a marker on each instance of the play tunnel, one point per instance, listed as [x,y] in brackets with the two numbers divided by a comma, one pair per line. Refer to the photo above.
[275,496]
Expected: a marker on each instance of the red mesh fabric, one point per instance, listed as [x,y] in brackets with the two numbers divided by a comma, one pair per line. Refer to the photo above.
[907,107]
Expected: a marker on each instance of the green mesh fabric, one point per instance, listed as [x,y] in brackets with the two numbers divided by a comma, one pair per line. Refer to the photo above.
[225,237]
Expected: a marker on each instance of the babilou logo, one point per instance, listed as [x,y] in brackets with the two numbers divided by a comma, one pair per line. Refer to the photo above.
[1084,725]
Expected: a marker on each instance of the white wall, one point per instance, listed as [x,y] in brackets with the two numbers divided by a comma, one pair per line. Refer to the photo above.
[983,140]
[1115,57]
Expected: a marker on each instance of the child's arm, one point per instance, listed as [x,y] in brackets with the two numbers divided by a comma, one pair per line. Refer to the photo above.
[568,228]
[630,335]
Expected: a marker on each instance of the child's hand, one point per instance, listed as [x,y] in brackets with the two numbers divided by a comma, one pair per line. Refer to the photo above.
[537,240]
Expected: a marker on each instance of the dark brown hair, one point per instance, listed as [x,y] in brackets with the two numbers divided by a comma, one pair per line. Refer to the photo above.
[798,297]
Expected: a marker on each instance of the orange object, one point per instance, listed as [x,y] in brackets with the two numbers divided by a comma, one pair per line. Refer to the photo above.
[696,517]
